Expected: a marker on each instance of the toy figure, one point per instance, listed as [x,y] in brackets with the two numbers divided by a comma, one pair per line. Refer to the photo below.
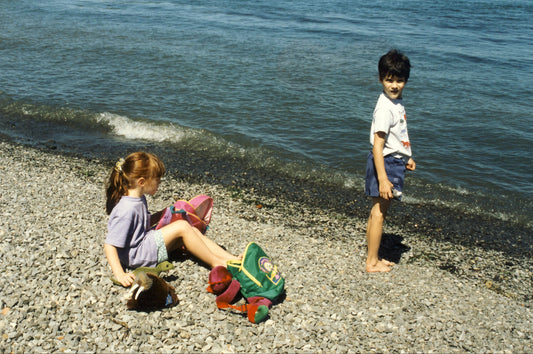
[150,292]
[161,267]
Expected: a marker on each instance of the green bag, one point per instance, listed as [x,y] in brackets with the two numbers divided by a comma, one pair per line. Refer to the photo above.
[257,275]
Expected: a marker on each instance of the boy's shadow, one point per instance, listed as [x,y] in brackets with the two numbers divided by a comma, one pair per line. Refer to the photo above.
[392,248]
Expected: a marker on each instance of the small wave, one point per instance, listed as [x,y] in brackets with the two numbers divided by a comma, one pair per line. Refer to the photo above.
[466,208]
[193,139]
[28,113]
[458,190]
[131,129]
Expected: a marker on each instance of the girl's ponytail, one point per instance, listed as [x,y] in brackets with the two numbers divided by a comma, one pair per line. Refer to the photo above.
[136,165]
[117,186]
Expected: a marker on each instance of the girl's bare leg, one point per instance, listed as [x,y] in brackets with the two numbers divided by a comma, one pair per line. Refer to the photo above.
[181,233]
[213,246]
[196,244]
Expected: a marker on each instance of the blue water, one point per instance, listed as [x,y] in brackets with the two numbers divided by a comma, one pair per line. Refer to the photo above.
[287,85]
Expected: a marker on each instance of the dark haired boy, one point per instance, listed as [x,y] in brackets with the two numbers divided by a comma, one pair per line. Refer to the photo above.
[391,152]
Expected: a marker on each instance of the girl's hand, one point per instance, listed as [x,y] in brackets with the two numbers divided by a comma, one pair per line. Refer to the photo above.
[126,279]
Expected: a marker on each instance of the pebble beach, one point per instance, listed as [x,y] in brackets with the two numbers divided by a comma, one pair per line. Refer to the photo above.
[444,295]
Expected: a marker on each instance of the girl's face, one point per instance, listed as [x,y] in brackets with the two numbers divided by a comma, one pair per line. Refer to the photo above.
[151,185]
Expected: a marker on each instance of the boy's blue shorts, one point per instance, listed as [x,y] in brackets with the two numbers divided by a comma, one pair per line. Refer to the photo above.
[395,169]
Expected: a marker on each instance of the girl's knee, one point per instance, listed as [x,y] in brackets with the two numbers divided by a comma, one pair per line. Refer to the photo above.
[176,230]
[175,233]
[176,226]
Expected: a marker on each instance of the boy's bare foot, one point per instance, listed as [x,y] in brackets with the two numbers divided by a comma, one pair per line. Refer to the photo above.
[382,266]
[387,263]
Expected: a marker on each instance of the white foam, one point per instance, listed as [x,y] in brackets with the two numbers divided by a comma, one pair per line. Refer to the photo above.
[352,181]
[139,130]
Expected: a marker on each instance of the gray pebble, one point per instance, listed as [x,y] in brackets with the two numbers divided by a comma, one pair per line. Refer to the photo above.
[56,296]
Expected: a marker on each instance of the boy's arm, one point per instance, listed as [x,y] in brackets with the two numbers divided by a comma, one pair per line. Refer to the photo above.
[126,279]
[385,186]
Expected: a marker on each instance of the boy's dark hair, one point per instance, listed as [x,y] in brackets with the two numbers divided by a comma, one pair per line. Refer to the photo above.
[394,63]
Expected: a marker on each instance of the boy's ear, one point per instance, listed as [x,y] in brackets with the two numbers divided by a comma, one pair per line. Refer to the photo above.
[141,181]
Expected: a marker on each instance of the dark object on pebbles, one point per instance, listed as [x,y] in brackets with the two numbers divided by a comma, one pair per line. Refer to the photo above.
[151,292]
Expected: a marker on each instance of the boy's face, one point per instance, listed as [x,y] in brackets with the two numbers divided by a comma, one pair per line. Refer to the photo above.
[393,86]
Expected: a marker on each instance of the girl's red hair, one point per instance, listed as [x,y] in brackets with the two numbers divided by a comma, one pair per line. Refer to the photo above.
[136,165]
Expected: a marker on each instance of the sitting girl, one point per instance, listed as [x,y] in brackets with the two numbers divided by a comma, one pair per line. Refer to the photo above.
[130,241]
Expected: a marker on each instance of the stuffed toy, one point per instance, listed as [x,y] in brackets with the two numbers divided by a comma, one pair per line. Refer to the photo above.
[228,291]
[161,267]
[150,292]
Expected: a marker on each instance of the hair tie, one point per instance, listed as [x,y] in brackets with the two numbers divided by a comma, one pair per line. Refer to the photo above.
[118,166]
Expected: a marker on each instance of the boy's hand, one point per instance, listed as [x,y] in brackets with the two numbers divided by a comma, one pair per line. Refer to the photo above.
[410,165]
[385,189]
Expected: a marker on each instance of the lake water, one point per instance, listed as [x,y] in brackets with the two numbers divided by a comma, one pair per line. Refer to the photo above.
[287,85]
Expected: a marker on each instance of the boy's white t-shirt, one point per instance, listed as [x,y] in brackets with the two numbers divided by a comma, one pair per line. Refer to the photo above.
[390,118]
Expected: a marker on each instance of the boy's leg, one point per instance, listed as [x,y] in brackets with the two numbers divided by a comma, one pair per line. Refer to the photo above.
[374,232]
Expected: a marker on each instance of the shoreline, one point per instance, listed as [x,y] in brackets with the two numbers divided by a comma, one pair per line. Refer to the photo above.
[256,185]
[444,295]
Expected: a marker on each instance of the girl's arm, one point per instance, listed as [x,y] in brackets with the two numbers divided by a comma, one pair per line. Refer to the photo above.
[126,279]
[385,186]
[155,217]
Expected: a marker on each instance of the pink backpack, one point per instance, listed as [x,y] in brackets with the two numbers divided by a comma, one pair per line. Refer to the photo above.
[196,211]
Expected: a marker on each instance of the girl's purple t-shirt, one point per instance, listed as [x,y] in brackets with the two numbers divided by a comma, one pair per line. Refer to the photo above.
[129,231]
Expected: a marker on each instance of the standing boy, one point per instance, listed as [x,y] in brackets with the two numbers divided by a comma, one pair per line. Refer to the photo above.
[391,152]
